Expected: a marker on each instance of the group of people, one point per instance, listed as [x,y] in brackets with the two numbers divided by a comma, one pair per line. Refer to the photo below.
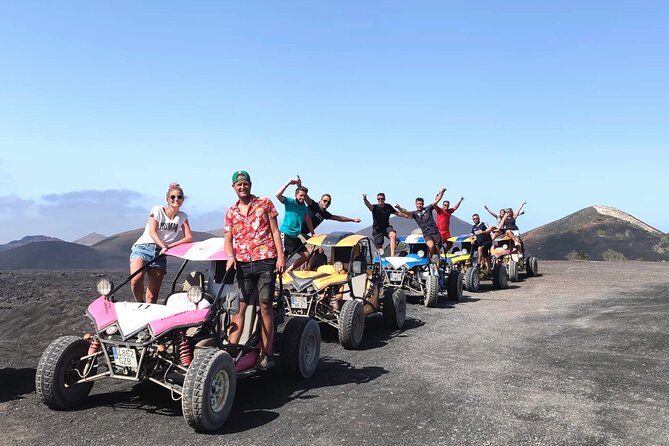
[262,247]
[437,232]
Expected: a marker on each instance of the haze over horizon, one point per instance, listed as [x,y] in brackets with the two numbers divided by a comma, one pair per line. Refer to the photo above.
[562,105]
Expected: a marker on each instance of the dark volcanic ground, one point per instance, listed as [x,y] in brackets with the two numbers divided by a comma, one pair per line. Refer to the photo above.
[579,355]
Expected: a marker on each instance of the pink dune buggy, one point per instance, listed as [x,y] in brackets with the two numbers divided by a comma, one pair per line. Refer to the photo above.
[181,344]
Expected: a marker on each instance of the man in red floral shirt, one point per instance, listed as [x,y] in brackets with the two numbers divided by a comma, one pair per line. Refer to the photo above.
[258,256]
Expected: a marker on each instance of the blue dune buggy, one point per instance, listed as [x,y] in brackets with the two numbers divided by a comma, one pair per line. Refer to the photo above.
[418,274]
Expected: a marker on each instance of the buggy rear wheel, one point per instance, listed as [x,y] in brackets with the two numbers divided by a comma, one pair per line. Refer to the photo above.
[513,271]
[351,324]
[300,347]
[454,286]
[209,390]
[59,369]
[472,279]
[500,277]
[394,308]
[532,266]
[431,291]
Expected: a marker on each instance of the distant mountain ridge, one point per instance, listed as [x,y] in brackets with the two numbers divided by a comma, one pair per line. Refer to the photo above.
[594,231]
[90,239]
[26,240]
[112,253]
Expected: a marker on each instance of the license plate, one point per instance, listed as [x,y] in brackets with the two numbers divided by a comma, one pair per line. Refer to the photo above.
[298,301]
[125,357]
[396,277]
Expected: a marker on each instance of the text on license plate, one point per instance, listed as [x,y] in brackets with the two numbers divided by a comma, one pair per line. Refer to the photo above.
[395,277]
[298,301]
[125,357]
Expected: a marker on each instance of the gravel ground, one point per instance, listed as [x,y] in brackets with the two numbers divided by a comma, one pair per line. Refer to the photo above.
[578,355]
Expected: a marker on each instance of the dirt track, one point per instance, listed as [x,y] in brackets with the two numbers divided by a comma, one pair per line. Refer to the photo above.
[579,355]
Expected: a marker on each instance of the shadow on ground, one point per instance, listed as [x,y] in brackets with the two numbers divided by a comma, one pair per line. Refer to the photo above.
[16,383]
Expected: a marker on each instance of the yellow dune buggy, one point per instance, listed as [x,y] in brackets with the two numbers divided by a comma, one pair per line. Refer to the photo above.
[341,286]
[504,252]
[474,271]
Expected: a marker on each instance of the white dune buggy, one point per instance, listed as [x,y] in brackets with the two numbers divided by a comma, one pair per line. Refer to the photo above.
[181,345]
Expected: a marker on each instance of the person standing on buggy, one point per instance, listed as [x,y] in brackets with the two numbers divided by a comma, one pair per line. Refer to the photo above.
[318,212]
[423,216]
[444,221]
[497,227]
[483,241]
[251,223]
[381,221]
[295,216]
[510,228]
[160,234]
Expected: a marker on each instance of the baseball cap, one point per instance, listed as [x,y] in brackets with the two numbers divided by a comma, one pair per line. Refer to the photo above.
[240,175]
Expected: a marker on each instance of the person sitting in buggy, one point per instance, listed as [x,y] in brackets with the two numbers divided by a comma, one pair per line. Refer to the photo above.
[480,234]
[509,227]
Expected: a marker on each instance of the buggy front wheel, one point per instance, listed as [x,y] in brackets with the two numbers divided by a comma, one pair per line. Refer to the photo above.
[351,324]
[454,286]
[300,347]
[394,308]
[209,390]
[59,371]
[431,291]
[472,279]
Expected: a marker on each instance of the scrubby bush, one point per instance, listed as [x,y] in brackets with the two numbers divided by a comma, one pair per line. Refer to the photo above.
[611,255]
[577,255]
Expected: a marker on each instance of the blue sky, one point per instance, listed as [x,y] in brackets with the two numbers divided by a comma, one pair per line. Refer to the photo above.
[105,103]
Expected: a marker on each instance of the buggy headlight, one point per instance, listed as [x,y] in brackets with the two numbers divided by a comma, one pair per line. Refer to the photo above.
[195,294]
[338,266]
[463,252]
[381,252]
[105,286]
[112,329]
[505,246]
[421,253]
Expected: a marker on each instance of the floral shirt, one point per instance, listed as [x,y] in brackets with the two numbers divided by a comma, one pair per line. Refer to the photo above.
[251,233]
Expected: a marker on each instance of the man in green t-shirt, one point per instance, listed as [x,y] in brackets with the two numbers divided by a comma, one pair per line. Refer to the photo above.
[295,214]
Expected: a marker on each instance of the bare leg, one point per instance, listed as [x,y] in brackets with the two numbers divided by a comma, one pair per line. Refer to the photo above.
[297,263]
[393,237]
[155,280]
[267,331]
[237,324]
[137,282]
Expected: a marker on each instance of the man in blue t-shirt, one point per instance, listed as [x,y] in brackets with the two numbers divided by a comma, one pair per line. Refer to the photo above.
[295,215]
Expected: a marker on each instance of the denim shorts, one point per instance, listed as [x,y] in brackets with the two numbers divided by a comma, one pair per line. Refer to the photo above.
[256,280]
[146,252]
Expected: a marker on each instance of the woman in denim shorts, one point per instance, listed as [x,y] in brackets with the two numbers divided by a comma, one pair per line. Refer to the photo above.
[159,235]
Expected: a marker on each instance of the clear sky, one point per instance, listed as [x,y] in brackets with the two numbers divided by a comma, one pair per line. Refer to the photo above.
[562,104]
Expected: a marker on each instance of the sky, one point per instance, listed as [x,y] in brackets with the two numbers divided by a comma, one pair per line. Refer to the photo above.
[562,104]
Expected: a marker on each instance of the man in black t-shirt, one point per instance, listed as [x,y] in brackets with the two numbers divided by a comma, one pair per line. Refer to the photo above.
[381,228]
[423,216]
[318,211]
[483,240]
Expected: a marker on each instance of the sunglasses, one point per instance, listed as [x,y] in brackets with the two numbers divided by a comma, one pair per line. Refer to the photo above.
[380,199]
[326,201]
[174,197]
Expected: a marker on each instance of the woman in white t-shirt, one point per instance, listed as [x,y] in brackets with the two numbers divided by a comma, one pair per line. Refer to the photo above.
[160,233]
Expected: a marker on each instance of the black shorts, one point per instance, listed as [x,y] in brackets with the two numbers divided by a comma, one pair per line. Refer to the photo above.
[292,245]
[378,236]
[434,236]
[256,280]
[486,245]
